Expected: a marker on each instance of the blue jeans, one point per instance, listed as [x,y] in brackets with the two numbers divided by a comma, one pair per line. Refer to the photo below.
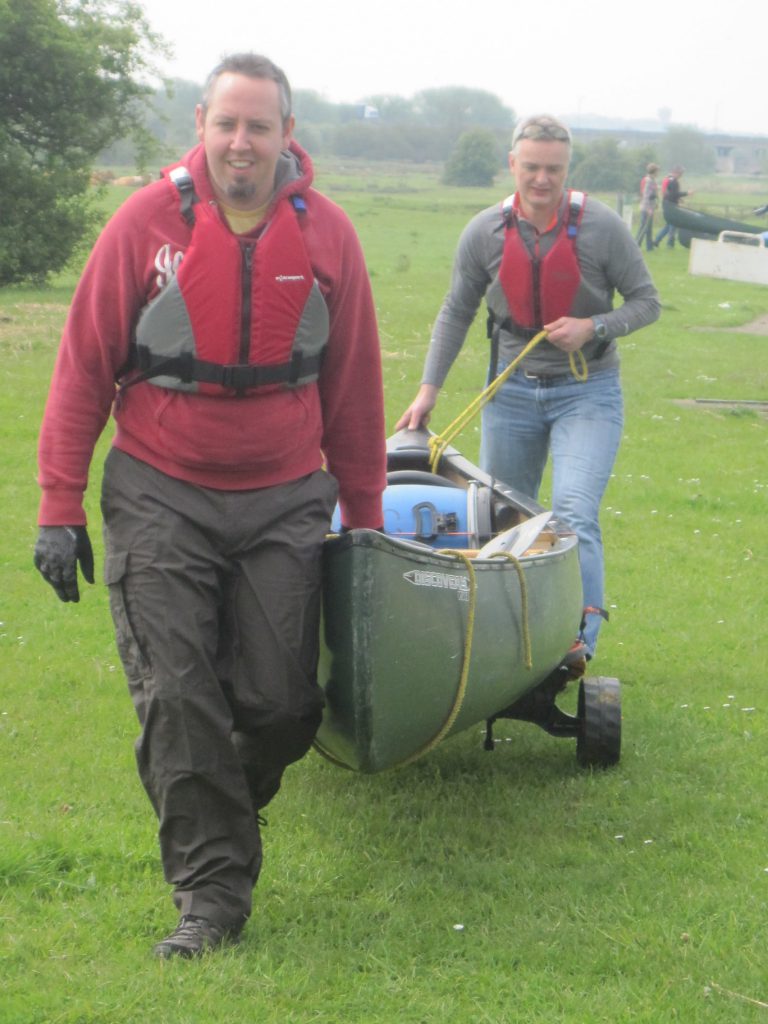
[581,425]
[668,229]
[646,230]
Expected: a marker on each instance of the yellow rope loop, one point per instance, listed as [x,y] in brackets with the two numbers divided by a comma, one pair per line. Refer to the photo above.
[526,628]
[582,372]
[461,690]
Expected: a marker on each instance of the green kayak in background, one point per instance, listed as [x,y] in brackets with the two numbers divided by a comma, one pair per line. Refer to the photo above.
[694,224]
[423,638]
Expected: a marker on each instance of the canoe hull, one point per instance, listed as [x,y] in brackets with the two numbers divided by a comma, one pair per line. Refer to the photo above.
[694,224]
[395,624]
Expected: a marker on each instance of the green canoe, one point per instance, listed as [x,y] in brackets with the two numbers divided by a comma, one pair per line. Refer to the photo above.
[420,642]
[694,224]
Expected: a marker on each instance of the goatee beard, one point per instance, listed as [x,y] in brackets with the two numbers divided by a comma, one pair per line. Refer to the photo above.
[241,191]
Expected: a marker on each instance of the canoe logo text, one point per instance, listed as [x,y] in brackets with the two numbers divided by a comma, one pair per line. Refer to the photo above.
[441,580]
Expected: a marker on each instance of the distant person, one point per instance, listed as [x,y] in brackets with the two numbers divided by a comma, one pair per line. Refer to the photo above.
[552,258]
[671,193]
[649,199]
[225,318]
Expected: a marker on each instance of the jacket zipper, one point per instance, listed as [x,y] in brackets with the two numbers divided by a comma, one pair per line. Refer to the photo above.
[536,282]
[246,295]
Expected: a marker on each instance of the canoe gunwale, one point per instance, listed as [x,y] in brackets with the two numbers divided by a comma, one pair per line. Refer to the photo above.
[565,540]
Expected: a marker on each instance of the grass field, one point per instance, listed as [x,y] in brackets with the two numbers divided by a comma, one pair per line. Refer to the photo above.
[490,888]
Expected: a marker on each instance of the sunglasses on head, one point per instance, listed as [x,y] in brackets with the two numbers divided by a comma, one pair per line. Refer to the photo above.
[542,130]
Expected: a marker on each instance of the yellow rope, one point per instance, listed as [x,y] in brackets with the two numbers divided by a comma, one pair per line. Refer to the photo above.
[523,604]
[320,749]
[439,442]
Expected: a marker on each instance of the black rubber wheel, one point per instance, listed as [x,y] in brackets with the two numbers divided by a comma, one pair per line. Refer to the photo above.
[598,744]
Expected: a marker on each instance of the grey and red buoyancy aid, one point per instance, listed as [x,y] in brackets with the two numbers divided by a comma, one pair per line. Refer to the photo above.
[532,290]
[239,313]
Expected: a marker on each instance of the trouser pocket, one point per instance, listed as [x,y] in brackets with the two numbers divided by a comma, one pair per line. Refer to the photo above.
[132,656]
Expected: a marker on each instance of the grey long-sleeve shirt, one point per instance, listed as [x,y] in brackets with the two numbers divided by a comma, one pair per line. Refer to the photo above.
[610,261]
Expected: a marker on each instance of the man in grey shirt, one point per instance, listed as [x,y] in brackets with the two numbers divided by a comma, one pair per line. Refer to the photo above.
[548,258]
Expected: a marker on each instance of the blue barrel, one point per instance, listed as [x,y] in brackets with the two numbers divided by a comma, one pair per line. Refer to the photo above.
[427,513]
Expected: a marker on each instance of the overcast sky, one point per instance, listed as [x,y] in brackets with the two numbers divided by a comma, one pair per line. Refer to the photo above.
[619,58]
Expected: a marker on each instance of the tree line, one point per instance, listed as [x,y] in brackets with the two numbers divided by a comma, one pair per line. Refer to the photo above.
[469,129]
[421,129]
[73,77]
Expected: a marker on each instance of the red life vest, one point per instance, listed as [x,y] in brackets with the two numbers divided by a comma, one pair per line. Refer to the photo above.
[239,313]
[538,290]
[649,183]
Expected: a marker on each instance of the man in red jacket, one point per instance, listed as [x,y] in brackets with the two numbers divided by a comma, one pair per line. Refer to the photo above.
[225,318]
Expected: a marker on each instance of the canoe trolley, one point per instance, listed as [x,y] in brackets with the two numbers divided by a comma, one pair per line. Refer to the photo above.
[462,611]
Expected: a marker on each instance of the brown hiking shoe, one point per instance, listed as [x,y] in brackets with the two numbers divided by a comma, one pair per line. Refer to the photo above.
[193,936]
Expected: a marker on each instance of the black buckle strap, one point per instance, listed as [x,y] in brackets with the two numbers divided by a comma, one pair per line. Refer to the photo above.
[508,324]
[295,368]
[182,179]
[237,376]
[244,377]
[494,328]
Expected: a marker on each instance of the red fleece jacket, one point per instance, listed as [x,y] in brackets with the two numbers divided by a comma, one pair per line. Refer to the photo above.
[223,443]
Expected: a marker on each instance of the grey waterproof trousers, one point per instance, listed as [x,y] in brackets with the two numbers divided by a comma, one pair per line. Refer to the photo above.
[215,597]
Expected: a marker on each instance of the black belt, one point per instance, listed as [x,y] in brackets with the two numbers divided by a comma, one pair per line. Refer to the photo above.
[545,379]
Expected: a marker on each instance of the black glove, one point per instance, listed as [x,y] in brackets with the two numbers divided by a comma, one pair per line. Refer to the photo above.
[57,552]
